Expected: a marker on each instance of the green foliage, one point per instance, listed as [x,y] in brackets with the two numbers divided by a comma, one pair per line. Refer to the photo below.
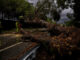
[61,3]
[55,14]
[69,23]
[41,10]
[20,17]
[15,8]
[70,16]
[46,7]
[54,22]
[48,20]
[75,7]
[29,12]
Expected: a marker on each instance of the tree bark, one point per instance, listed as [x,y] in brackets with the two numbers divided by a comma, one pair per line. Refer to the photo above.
[77,13]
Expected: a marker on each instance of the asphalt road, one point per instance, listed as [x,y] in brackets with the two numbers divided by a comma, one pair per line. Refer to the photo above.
[15,52]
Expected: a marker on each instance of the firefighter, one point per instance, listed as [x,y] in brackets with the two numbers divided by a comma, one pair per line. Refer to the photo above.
[18,26]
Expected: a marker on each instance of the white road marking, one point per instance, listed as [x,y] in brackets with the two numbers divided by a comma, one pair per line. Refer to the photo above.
[10,46]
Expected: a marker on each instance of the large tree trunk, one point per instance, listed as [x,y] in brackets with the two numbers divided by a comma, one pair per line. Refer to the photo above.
[77,13]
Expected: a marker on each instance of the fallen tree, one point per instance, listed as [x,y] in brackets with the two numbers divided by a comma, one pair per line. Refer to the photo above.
[64,40]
